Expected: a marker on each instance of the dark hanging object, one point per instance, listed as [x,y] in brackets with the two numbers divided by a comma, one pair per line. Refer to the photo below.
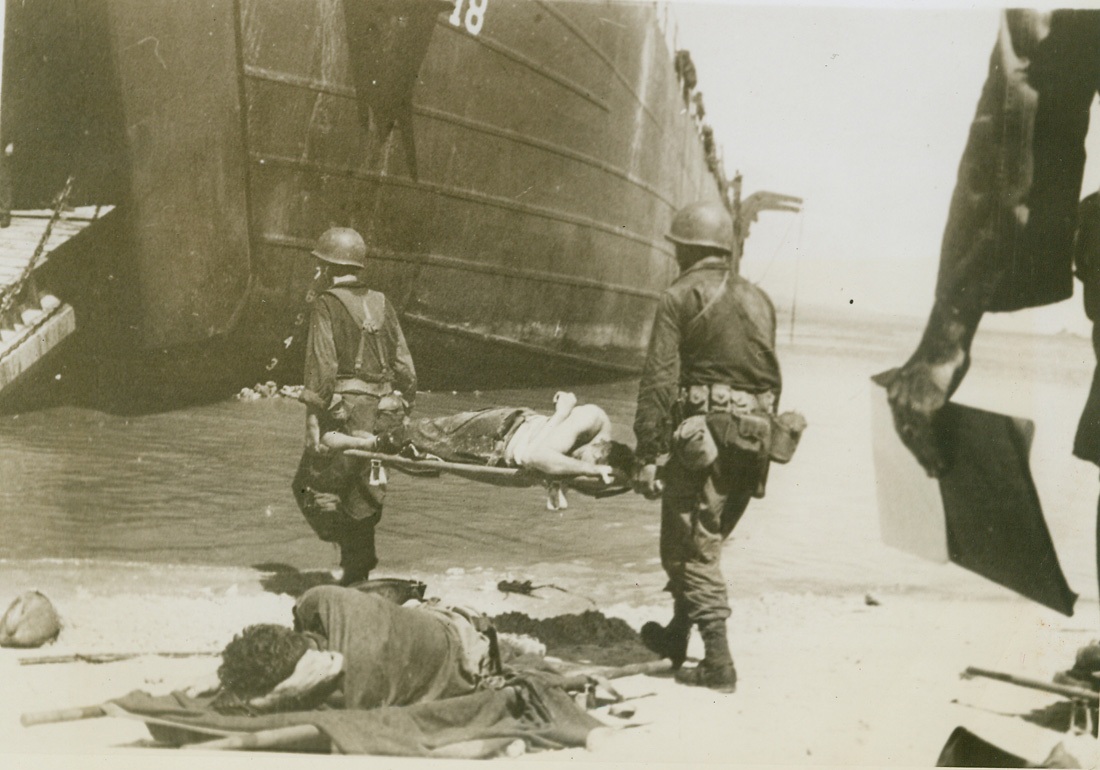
[387,43]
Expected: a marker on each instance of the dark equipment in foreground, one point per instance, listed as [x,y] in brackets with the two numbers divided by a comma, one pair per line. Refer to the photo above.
[965,749]
[1073,693]
[982,513]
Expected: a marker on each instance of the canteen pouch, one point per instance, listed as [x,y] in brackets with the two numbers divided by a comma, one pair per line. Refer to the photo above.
[693,444]
[786,432]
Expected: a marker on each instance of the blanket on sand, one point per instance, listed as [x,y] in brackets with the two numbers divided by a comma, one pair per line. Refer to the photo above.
[531,708]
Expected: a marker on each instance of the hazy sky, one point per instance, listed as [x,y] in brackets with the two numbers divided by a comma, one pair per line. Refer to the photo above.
[863,112]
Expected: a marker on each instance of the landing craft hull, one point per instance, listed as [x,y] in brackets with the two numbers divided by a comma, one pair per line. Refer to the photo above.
[512,165]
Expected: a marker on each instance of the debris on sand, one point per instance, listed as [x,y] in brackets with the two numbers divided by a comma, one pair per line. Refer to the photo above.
[589,637]
[269,389]
[30,621]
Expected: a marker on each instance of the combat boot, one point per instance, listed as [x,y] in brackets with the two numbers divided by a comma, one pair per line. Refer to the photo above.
[716,671]
[669,641]
[353,577]
[355,569]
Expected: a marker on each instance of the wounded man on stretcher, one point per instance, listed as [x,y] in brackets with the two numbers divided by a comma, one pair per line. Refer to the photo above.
[573,445]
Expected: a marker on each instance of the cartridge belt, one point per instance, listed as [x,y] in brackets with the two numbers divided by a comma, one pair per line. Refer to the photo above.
[704,399]
[358,387]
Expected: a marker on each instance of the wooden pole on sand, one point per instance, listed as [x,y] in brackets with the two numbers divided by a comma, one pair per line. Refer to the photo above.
[278,738]
[62,715]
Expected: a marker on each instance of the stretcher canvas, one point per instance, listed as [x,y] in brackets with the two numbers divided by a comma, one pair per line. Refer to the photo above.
[531,708]
[983,514]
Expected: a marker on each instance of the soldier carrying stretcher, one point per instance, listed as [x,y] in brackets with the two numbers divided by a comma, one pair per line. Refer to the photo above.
[359,375]
[706,402]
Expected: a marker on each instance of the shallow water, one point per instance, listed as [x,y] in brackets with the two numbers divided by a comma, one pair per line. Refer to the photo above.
[210,485]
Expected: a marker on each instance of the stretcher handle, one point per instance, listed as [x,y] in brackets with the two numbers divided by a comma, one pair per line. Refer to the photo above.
[61,715]
[580,679]
[467,469]
[442,465]
[280,737]
[295,735]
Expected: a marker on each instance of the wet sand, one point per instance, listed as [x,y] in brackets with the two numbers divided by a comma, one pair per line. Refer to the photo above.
[825,677]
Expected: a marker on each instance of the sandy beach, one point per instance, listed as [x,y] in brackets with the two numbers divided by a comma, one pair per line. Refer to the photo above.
[826,681]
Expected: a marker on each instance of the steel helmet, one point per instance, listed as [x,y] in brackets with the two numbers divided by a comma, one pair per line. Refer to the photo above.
[703,223]
[341,246]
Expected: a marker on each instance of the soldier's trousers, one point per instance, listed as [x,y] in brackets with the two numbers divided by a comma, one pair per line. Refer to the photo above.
[334,493]
[699,509]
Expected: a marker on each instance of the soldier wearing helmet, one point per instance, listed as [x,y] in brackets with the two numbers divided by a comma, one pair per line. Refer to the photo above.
[711,361]
[359,376]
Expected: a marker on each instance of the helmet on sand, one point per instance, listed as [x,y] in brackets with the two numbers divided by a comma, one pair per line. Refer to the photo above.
[703,223]
[341,246]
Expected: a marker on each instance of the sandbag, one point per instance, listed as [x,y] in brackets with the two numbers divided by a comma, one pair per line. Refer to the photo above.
[30,621]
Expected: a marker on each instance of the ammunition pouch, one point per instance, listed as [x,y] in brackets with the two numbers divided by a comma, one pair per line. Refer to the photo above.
[745,437]
[720,419]
[758,436]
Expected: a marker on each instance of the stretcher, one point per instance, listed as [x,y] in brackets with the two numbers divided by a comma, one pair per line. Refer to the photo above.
[191,723]
[429,466]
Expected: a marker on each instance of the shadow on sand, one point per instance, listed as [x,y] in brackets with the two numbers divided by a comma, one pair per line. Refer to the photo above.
[284,579]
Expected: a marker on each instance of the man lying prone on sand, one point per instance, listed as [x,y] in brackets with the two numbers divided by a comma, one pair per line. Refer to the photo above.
[574,441]
[354,650]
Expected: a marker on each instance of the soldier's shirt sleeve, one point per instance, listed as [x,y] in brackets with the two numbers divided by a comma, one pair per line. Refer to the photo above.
[1013,215]
[660,383]
[403,369]
[319,377]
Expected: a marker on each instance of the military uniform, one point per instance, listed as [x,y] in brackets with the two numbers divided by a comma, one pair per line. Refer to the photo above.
[715,331]
[356,357]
